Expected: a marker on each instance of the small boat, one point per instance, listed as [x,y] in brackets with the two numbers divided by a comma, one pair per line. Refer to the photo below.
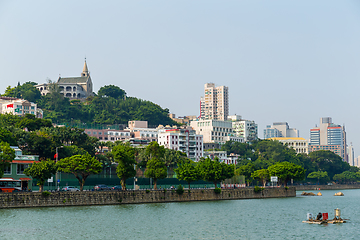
[322,218]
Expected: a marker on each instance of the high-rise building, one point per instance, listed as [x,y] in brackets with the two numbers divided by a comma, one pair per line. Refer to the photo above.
[351,157]
[280,129]
[215,103]
[328,136]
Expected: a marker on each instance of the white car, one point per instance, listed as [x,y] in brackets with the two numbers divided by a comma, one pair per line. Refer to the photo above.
[70,188]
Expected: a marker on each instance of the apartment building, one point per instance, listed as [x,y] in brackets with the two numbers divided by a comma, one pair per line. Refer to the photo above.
[215,103]
[184,139]
[246,129]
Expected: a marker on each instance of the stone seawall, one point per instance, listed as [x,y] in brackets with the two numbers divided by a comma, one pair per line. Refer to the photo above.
[58,199]
[327,187]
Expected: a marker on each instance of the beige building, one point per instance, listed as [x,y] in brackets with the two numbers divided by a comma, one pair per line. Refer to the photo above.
[300,145]
[215,103]
[72,87]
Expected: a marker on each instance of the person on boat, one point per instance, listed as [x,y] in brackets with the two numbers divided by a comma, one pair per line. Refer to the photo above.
[319,216]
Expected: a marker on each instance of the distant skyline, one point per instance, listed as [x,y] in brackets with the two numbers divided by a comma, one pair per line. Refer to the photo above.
[283,61]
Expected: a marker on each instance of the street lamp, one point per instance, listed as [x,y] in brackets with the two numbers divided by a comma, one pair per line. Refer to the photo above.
[56,175]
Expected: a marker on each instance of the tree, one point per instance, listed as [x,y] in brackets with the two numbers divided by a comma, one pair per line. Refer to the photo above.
[286,171]
[112,91]
[246,170]
[261,175]
[329,162]
[213,171]
[42,171]
[320,176]
[31,123]
[124,155]
[7,154]
[81,166]
[7,136]
[155,169]
[187,171]
[347,177]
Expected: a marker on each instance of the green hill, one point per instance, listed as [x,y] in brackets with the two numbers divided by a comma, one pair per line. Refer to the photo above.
[109,106]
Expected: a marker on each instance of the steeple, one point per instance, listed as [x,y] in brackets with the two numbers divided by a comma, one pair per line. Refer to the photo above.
[85,72]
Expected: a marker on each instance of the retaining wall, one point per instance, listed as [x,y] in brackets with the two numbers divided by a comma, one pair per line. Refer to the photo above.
[58,199]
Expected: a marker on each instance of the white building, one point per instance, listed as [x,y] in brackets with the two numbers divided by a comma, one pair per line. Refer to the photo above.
[246,129]
[19,107]
[213,131]
[215,103]
[184,140]
[300,145]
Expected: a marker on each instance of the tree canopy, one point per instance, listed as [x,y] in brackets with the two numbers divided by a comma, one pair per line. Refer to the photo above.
[124,155]
[187,171]
[81,166]
[155,169]
[42,171]
[286,171]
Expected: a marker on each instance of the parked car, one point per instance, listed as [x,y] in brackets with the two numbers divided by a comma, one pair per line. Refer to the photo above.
[101,187]
[116,188]
[70,188]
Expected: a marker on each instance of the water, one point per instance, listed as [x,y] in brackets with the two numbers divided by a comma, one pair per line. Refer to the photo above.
[279,218]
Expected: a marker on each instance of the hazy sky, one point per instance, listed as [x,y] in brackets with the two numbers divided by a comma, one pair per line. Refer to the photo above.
[288,61]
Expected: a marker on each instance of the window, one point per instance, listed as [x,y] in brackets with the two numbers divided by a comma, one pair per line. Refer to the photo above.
[7,170]
[21,168]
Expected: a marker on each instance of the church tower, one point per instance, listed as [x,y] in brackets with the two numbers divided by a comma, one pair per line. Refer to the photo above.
[85,72]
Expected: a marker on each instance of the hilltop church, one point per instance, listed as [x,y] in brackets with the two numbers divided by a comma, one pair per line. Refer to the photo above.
[72,87]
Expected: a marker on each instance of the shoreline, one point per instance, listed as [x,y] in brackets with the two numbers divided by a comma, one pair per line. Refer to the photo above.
[326,187]
[62,199]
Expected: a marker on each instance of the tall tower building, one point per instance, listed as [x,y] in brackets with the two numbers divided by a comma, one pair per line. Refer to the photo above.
[351,157]
[329,136]
[215,103]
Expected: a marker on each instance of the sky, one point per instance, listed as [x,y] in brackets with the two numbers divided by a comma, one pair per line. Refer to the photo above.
[283,61]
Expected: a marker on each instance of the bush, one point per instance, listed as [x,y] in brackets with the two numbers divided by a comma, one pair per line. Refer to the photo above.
[258,189]
[147,190]
[217,190]
[180,189]
[286,187]
[45,193]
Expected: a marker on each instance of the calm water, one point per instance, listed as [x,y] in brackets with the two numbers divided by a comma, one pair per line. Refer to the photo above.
[236,219]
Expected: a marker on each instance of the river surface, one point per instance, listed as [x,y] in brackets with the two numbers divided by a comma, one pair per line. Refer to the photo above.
[275,218]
